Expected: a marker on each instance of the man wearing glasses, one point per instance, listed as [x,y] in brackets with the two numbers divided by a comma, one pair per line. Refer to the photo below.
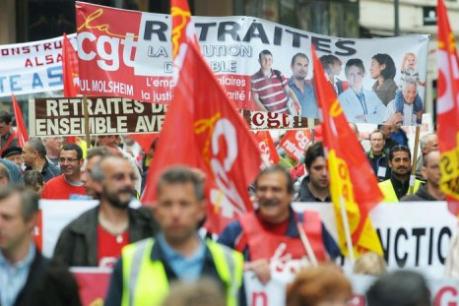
[68,185]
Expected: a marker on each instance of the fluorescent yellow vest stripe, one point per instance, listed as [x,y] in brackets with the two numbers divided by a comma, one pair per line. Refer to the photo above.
[389,193]
[140,272]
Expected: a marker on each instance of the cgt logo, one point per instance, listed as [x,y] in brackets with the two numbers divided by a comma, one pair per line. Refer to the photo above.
[220,152]
[108,47]
[447,296]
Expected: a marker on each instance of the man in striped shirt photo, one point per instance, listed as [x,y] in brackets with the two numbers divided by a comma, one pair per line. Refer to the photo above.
[269,88]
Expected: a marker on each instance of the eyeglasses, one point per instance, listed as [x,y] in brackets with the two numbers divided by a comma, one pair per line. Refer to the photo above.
[69,160]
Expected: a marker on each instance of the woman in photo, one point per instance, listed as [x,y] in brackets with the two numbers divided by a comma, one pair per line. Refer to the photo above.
[383,71]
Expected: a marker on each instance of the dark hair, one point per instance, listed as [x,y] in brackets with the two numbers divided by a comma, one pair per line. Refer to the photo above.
[384,59]
[276,169]
[32,178]
[182,175]
[328,60]
[376,131]
[5,117]
[38,146]
[399,148]
[29,199]
[315,150]
[73,147]
[357,62]
[400,288]
[299,54]
[264,52]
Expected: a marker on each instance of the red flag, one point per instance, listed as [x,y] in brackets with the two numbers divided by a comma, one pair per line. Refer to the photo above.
[448,109]
[21,130]
[294,143]
[181,16]
[203,129]
[69,69]
[267,149]
[352,182]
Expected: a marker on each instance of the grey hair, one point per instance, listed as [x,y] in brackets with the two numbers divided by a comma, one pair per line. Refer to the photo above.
[36,144]
[424,139]
[183,175]
[28,198]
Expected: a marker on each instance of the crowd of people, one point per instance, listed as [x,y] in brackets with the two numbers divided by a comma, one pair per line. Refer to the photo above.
[149,249]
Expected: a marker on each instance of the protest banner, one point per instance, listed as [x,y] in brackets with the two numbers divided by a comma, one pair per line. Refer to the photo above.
[32,67]
[108,116]
[414,235]
[92,284]
[55,215]
[128,53]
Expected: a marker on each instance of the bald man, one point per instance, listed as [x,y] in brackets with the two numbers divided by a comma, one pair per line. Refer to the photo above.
[430,191]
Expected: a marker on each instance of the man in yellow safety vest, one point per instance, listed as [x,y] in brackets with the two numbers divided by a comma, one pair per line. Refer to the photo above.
[143,274]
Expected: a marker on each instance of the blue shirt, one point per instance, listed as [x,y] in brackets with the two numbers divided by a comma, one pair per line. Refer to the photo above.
[307,99]
[186,268]
[14,276]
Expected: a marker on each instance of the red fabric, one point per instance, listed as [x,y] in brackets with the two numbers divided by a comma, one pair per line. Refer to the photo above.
[92,285]
[108,248]
[144,140]
[263,241]
[58,189]
[180,12]
[448,109]
[69,68]
[352,181]
[207,133]
[267,148]
[21,131]
[294,143]
[272,91]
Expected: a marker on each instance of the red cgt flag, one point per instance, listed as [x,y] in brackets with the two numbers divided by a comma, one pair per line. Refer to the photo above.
[21,130]
[352,182]
[69,69]
[203,129]
[448,109]
[267,148]
[295,142]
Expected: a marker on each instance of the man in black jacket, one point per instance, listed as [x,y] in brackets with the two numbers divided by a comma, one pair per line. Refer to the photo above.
[96,237]
[315,186]
[26,277]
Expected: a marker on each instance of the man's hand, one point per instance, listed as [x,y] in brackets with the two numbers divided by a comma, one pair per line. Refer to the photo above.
[261,269]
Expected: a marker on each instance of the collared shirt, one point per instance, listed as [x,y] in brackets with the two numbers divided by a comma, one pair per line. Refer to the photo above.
[186,268]
[306,98]
[305,194]
[379,165]
[271,90]
[400,188]
[14,276]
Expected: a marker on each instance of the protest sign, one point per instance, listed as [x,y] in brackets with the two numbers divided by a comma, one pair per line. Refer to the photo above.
[55,215]
[128,53]
[32,67]
[413,235]
[92,284]
[108,116]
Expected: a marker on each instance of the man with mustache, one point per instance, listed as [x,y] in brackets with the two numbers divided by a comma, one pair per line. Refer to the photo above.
[398,185]
[97,236]
[272,232]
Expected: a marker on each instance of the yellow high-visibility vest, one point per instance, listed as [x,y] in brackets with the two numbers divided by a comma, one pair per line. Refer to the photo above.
[145,280]
[389,193]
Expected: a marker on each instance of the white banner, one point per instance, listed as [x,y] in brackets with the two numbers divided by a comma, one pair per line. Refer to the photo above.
[32,67]
[414,235]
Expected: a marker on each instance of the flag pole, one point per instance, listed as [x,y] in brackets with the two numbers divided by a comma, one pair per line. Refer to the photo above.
[307,245]
[347,231]
[415,157]
[86,122]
